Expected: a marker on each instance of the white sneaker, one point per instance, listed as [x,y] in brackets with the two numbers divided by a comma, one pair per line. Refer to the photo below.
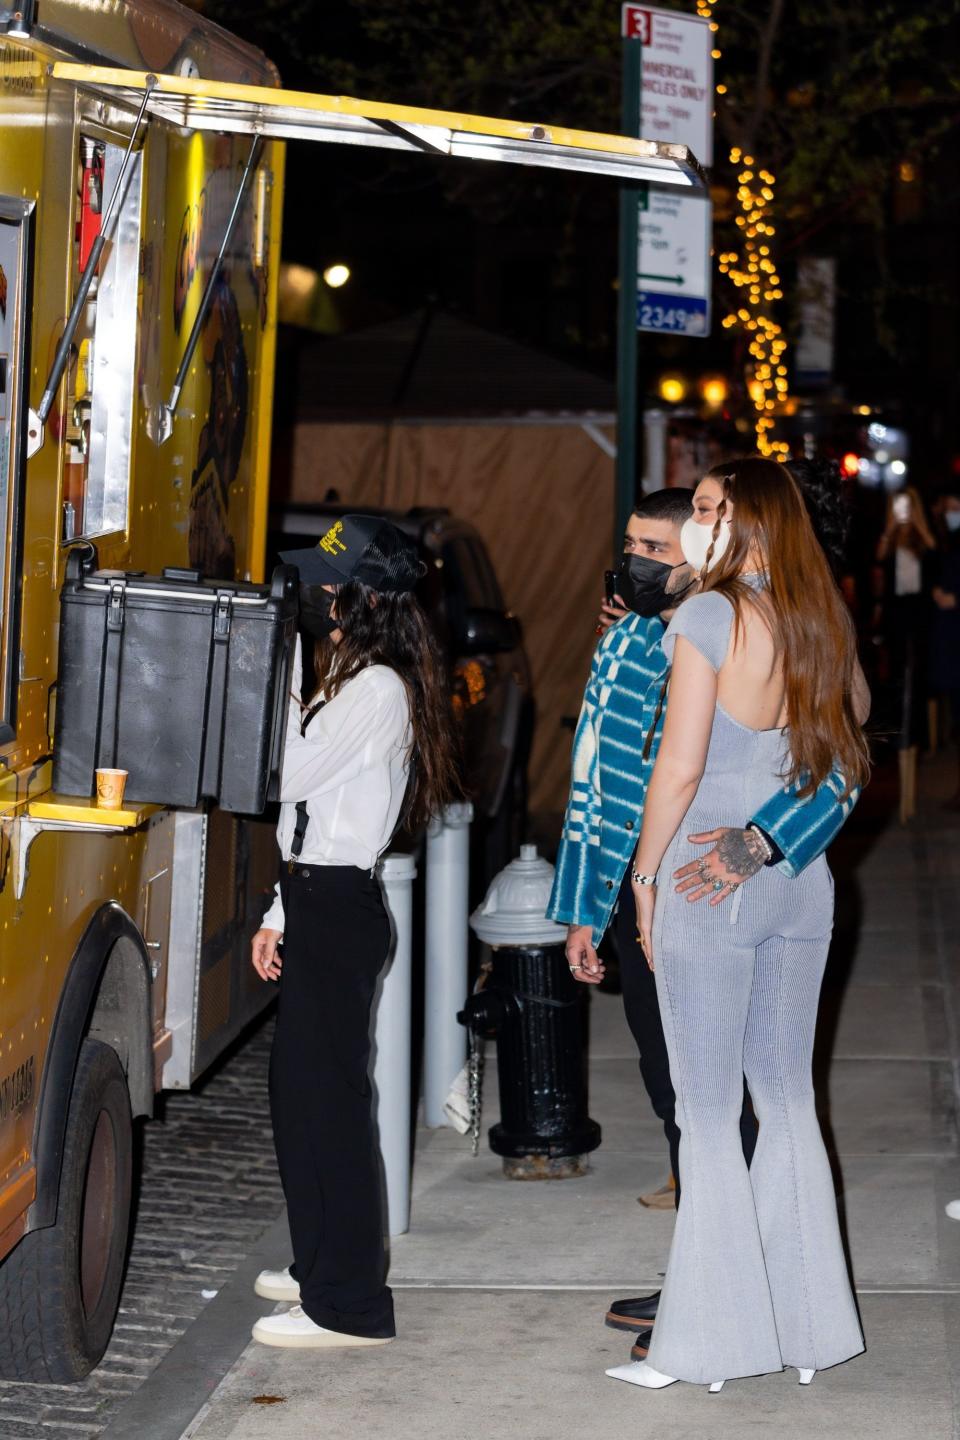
[295,1330]
[277,1285]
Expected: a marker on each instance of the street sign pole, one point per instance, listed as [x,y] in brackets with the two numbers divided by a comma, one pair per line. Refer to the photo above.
[627,429]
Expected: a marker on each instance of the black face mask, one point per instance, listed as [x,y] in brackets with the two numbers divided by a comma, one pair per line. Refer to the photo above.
[642,585]
[315,617]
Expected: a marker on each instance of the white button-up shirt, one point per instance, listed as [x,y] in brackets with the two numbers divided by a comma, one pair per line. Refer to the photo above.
[351,768]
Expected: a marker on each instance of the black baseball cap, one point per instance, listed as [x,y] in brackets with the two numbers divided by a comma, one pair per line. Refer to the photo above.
[360,547]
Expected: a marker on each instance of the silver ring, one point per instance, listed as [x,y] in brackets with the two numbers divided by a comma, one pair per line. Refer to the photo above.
[576,967]
[735,886]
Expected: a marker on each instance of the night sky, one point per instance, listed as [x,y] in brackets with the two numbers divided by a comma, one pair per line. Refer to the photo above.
[855,110]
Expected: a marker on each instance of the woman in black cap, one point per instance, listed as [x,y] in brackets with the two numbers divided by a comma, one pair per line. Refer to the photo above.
[377,730]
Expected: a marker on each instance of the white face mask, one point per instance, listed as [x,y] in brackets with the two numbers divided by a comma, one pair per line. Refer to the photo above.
[695,541]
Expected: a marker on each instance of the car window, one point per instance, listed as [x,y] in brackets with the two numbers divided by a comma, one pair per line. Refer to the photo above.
[470,572]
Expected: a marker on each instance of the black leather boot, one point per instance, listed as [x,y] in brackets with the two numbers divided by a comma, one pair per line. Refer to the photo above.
[637,1314]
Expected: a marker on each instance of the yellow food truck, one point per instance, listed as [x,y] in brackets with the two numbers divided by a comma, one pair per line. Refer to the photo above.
[141,170]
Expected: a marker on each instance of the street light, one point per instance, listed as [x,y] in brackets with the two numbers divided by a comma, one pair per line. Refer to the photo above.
[336,275]
[714,390]
[672,388]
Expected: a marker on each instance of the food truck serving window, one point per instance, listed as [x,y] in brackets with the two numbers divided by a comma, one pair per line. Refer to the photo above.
[195,104]
[100,369]
[14,313]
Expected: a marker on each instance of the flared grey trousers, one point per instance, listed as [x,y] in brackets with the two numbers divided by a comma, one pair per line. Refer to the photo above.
[757,1278]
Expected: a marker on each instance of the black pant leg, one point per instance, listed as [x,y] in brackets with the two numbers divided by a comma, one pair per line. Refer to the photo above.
[639,988]
[336,940]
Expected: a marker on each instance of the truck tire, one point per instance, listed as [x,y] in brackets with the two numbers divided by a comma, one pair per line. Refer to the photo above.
[60,1287]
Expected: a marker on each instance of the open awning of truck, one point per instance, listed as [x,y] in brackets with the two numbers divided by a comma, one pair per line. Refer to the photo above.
[298,115]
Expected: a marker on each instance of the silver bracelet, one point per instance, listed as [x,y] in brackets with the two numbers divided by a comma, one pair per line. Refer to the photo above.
[767,847]
[639,879]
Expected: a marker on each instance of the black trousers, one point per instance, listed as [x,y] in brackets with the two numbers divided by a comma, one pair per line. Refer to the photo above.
[336,941]
[639,988]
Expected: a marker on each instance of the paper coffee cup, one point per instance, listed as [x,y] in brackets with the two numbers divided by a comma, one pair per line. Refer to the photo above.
[110,784]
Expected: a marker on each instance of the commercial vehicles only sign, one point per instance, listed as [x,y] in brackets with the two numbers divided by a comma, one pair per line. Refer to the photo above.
[675,230]
[677,96]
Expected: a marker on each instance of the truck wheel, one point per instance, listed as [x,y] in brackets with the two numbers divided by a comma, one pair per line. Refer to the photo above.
[60,1287]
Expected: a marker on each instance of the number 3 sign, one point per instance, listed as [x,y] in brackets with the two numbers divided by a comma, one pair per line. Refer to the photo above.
[636,24]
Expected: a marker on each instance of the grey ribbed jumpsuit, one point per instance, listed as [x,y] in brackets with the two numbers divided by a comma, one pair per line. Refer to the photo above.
[757,1277]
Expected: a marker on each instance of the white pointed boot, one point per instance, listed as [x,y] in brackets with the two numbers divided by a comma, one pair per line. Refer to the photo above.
[638,1372]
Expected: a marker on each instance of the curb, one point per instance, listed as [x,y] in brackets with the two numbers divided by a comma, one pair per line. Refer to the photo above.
[186,1378]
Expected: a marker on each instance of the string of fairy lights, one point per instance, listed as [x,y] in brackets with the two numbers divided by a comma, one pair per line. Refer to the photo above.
[753,271]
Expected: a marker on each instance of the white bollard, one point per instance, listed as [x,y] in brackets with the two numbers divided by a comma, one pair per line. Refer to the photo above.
[654,450]
[448,874]
[391,1071]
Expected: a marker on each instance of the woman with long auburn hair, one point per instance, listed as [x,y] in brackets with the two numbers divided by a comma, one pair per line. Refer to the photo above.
[369,745]
[765,687]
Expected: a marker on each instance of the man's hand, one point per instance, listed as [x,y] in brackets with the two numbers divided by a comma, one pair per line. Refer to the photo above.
[582,958]
[610,613]
[266,961]
[736,855]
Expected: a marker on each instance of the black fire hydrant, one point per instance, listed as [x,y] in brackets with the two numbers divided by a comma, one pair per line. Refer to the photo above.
[537,1011]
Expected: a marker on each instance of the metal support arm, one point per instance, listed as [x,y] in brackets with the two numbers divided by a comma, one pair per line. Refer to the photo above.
[164,426]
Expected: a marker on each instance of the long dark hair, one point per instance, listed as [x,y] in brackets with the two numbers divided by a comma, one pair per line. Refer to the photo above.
[389,628]
[811,626]
[821,486]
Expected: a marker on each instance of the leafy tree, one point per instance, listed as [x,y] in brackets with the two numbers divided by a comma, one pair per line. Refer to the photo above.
[842,103]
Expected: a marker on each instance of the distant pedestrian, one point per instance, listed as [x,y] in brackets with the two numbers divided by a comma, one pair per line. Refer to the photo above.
[944,650]
[903,555]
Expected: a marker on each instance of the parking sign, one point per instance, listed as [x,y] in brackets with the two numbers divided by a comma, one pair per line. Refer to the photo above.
[675,232]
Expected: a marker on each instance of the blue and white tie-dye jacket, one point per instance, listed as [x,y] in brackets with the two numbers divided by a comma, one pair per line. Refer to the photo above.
[610,777]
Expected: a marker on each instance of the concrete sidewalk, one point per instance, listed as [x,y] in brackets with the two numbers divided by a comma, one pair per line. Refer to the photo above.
[501,1287]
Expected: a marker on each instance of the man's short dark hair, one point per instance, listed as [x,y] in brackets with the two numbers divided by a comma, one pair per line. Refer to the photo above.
[821,486]
[674,504]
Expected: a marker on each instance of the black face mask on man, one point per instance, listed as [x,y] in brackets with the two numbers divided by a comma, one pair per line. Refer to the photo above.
[315,606]
[642,585]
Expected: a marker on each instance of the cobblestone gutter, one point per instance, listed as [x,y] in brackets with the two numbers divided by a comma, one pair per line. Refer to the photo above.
[209,1187]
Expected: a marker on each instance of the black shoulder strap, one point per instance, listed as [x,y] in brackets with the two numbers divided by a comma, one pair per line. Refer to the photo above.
[302,820]
[300,826]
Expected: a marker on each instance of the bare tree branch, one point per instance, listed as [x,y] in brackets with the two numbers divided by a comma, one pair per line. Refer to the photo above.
[762,81]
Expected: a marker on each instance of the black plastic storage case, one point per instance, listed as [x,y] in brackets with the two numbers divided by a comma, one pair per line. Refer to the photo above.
[181,681]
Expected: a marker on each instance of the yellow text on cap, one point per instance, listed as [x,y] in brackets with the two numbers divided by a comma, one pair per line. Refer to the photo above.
[331,542]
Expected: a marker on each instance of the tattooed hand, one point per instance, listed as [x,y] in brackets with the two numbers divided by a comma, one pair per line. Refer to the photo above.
[736,855]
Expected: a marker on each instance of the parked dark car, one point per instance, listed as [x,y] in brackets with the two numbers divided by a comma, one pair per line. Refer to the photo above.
[488,666]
